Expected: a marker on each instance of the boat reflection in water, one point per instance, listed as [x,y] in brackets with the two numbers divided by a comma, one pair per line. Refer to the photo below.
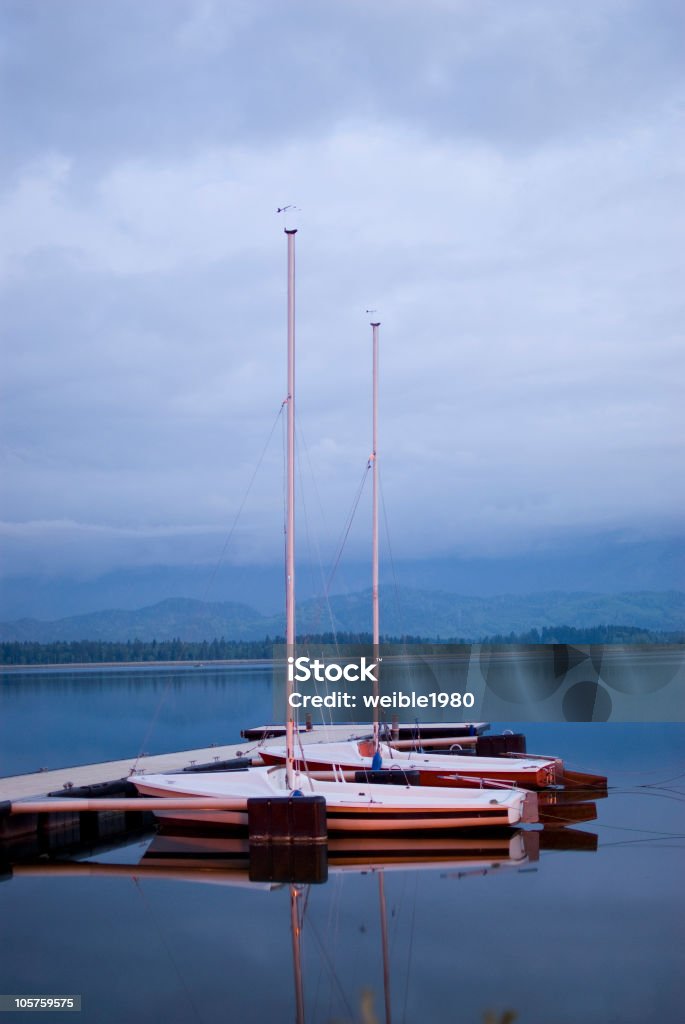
[216,856]
[283,862]
[239,862]
[232,860]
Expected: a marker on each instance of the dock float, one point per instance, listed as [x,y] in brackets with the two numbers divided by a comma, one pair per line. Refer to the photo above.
[54,811]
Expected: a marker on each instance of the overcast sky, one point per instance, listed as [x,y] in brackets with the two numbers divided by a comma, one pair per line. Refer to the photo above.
[502,181]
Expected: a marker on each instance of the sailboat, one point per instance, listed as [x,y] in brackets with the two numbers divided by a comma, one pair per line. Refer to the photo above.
[456,770]
[440,770]
[350,806]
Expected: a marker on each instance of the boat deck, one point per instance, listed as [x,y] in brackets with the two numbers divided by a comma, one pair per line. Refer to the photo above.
[36,784]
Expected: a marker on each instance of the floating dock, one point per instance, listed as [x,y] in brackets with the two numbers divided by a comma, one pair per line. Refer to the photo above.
[39,784]
[53,811]
[38,816]
[62,811]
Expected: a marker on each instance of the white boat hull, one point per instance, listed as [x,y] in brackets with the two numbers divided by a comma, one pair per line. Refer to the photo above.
[350,807]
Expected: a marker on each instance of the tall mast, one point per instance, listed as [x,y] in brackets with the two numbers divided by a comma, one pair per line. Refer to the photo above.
[374,546]
[290,512]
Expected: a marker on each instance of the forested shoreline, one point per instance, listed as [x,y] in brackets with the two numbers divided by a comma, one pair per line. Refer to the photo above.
[86,652]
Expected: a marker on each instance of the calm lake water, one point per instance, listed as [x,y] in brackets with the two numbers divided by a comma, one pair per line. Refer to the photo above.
[571,935]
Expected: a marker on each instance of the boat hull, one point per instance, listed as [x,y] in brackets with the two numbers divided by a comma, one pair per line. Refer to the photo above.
[453,771]
[349,807]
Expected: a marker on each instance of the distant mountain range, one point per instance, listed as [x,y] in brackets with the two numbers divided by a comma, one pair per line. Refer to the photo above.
[607,563]
[404,612]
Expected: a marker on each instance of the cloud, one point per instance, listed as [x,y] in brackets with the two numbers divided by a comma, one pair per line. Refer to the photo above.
[503,189]
[82,550]
[171,77]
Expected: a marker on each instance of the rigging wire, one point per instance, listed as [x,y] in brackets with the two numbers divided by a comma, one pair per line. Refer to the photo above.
[318,550]
[165,944]
[334,925]
[650,839]
[654,785]
[339,551]
[666,794]
[411,948]
[398,601]
[210,583]
[325,712]
[305,516]
[593,766]
[326,957]
[347,528]
[644,831]
[167,686]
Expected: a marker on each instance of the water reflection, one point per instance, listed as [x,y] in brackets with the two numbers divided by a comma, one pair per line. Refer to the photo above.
[587,925]
[332,910]
[59,719]
[180,926]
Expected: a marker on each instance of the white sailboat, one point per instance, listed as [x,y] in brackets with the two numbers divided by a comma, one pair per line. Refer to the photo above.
[434,769]
[350,806]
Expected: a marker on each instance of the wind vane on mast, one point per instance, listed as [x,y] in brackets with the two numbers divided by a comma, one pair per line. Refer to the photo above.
[289,216]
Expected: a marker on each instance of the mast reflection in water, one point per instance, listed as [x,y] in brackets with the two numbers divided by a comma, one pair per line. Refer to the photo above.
[587,925]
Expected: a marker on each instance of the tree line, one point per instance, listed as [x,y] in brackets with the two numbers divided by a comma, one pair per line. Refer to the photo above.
[589,635]
[86,652]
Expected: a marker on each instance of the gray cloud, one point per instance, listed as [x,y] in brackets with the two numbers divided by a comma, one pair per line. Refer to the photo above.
[171,76]
[501,181]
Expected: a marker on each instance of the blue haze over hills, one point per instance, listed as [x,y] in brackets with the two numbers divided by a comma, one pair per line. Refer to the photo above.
[603,565]
[404,612]
[627,584]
